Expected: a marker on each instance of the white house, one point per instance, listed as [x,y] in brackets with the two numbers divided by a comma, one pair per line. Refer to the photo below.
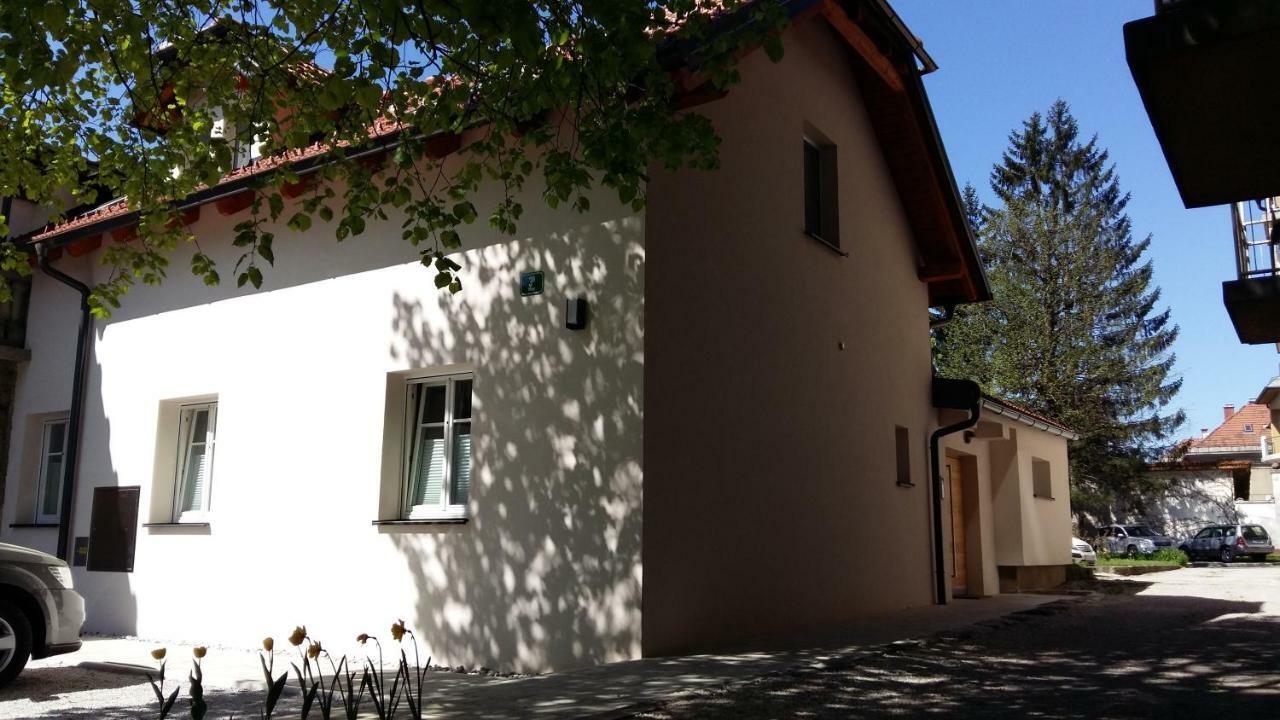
[734,448]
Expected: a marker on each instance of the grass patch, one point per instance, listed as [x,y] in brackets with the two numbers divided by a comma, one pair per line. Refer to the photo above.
[1136,562]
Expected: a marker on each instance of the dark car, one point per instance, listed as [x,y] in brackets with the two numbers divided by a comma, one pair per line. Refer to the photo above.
[1228,542]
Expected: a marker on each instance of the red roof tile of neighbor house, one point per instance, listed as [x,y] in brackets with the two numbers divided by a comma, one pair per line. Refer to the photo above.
[1232,432]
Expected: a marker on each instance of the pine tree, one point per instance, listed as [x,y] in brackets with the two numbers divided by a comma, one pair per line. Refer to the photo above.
[1074,330]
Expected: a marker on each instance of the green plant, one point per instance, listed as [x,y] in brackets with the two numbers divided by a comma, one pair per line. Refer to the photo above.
[341,694]
[1172,555]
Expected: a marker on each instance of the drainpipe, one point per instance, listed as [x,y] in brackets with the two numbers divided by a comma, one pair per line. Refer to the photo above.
[72,454]
[952,395]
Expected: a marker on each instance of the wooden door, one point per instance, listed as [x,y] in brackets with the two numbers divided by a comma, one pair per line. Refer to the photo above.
[955,501]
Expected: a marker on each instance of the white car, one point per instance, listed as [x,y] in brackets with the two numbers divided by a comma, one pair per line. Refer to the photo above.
[1082,553]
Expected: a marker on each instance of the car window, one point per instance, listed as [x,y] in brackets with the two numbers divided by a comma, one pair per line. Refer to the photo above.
[1139,531]
[1229,531]
[1215,532]
[1255,533]
[1204,533]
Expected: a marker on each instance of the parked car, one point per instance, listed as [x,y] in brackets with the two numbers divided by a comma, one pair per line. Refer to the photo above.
[1082,553]
[1228,542]
[1132,540]
[40,613]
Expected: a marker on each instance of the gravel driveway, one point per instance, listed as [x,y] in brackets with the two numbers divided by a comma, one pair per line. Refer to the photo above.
[1194,643]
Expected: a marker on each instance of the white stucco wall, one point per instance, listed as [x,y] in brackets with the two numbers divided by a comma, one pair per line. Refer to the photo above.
[546,574]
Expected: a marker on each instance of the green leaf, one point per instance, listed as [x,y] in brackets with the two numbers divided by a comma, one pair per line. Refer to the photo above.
[300,222]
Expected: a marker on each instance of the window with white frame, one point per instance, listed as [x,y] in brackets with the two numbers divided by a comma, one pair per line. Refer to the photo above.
[52,471]
[437,447]
[195,461]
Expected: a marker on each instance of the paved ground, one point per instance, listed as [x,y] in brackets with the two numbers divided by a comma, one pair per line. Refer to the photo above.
[1200,642]
[73,686]
[1194,643]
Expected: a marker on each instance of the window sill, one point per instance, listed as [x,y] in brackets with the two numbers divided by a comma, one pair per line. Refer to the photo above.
[1044,497]
[425,521]
[175,524]
[826,243]
[33,525]
[905,485]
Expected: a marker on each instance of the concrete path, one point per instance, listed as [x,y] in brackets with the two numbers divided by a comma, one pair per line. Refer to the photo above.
[99,682]
[1195,643]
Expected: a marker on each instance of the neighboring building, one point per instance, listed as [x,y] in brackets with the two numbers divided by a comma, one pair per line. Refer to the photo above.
[1194,62]
[1220,477]
[732,449]
[1009,501]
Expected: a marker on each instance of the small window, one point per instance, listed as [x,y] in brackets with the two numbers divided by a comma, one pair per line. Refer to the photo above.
[52,472]
[902,445]
[195,461]
[1240,481]
[821,211]
[437,480]
[1248,428]
[1041,479]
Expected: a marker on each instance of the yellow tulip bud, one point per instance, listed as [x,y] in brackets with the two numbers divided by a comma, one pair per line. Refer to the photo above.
[268,644]
[299,634]
[158,653]
[362,638]
[313,652]
[397,629]
[199,651]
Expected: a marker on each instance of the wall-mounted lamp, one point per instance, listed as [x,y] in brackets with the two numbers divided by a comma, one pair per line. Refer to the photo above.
[575,313]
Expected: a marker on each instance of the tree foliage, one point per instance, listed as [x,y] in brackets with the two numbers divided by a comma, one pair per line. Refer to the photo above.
[109,97]
[1074,330]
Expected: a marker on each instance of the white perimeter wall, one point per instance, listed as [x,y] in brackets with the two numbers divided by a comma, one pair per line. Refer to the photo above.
[547,573]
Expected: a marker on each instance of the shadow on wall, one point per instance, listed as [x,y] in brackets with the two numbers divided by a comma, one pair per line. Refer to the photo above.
[1193,501]
[111,605]
[547,572]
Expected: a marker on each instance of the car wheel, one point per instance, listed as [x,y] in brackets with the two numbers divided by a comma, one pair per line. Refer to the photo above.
[15,642]
[1227,555]
[1131,551]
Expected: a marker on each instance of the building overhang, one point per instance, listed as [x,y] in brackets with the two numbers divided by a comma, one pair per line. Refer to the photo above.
[1254,306]
[1203,69]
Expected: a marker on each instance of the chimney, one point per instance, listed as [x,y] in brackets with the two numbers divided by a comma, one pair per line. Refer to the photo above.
[1204,433]
[1227,412]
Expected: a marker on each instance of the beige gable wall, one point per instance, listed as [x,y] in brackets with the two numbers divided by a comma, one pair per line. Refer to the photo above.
[770,498]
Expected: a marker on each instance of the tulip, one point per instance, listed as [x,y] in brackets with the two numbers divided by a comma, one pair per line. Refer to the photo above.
[397,630]
[299,634]
[199,651]
[158,653]
[268,644]
[313,652]
[362,638]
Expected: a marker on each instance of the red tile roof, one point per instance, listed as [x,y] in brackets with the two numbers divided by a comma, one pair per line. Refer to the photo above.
[1231,433]
[1029,413]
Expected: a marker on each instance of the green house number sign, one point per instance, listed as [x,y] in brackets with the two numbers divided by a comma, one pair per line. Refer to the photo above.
[531,283]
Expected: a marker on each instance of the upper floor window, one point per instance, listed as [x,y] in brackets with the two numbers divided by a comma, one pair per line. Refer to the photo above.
[195,461]
[821,211]
[52,471]
[438,447]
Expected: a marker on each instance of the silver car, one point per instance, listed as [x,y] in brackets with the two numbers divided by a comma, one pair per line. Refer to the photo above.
[1229,542]
[1082,553]
[40,613]
[1131,540]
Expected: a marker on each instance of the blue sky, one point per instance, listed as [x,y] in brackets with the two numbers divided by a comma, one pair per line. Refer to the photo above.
[1001,60]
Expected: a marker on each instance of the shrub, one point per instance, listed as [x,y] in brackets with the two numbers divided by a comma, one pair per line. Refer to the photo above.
[1173,555]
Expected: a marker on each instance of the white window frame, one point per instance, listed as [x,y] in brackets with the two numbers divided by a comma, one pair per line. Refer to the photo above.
[186,413]
[446,509]
[46,430]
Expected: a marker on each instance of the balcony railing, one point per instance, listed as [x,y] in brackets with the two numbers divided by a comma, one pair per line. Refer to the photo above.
[1269,449]
[1257,237]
